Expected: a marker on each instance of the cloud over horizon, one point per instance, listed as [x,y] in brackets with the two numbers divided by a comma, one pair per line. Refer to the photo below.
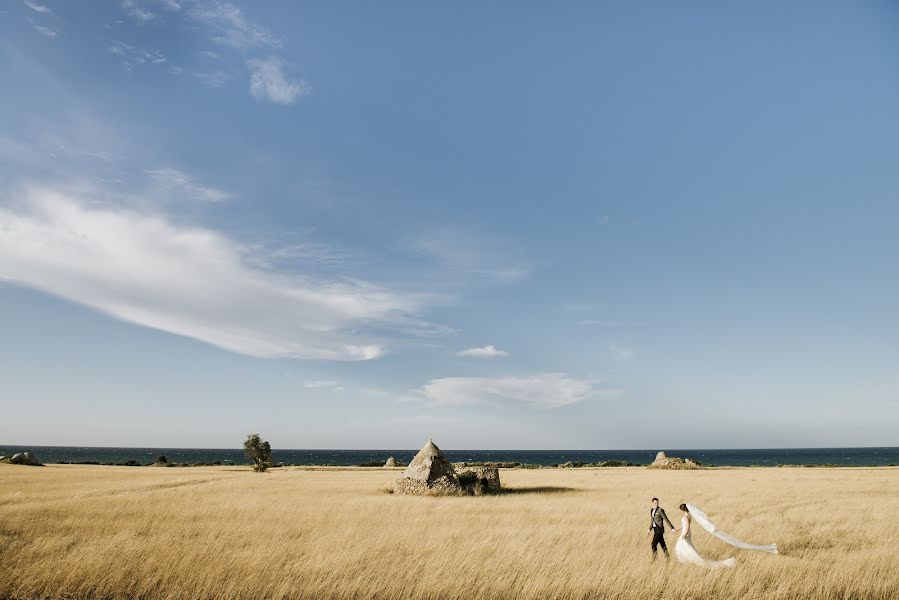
[544,390]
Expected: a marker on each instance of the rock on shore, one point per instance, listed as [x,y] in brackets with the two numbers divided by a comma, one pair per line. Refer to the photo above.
[23,458]
[664,461]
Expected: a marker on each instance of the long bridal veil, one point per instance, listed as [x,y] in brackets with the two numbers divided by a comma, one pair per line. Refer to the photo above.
[703,520]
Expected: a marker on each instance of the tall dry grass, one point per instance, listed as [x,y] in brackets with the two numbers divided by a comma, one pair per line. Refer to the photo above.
[110,532]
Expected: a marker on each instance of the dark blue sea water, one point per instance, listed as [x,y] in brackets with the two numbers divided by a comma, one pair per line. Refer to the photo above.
[717,457]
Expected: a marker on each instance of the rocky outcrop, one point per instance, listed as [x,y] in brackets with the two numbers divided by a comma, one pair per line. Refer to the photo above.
[429,474]
[478,481]
[391,462]
[663,461]
[25,458]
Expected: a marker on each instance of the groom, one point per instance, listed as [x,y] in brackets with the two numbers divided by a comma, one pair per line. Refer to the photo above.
[658,518]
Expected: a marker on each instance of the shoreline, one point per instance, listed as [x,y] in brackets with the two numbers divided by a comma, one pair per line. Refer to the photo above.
[497,465]
[510,459]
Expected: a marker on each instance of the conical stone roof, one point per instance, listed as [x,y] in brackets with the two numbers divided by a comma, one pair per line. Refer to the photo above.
[429,474]
[429,465]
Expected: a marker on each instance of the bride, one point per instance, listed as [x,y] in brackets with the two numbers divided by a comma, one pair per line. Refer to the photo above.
[686,553]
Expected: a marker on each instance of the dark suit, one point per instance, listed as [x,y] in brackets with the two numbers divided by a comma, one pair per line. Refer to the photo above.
[657,521]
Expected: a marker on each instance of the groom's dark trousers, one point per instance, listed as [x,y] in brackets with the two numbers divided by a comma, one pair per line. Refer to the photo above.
[658,539]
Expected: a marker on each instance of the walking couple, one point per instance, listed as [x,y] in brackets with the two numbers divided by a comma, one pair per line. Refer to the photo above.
[684,549]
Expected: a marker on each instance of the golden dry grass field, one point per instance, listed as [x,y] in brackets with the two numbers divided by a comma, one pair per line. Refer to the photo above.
[125,532]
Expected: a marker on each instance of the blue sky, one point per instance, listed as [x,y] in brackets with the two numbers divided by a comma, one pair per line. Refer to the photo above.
[512,225]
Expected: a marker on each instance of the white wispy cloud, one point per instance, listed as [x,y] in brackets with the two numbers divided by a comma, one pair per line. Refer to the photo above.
[38,7]
[423,419]
[176,180]
[212,79]
[466,255]
[321,383]
[135,10]
[610,323]
[232,28]
[373,392]
[544,390]
[191,281]
[45,31]
[132,55]
[576,307]
[619,352]
[267,82]
[489,351]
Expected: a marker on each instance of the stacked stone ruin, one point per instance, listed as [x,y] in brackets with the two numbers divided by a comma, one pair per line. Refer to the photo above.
[431,474]
[664,461]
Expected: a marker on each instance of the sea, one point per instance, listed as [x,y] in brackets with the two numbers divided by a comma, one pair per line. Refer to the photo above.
[765,457]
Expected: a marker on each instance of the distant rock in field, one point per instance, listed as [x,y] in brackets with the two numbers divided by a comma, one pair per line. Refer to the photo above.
[391,462]
[429,474]
[664,461]
[25,458]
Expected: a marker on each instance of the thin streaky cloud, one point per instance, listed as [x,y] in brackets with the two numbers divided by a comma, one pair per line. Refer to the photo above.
[135,10]
[489,351]
[190,281]
[132,55]
[611,323]
[38,7]
[179,181]
[544,390]
[423,419]
[466,255]
[576,307]
[321,383]
[213,80]
[232,28]
[619,352]
[45,31]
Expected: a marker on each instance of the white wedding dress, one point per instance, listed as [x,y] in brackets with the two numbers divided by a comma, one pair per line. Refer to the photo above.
[686,553]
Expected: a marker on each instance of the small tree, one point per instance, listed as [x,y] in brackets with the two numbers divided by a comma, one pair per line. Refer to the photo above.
[258,451]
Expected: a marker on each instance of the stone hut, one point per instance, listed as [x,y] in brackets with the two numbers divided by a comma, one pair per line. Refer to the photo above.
[391,462]
[479,480]
[429,474]
[663,461]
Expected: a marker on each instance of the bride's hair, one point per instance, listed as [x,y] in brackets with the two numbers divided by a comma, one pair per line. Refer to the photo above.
[684,508]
